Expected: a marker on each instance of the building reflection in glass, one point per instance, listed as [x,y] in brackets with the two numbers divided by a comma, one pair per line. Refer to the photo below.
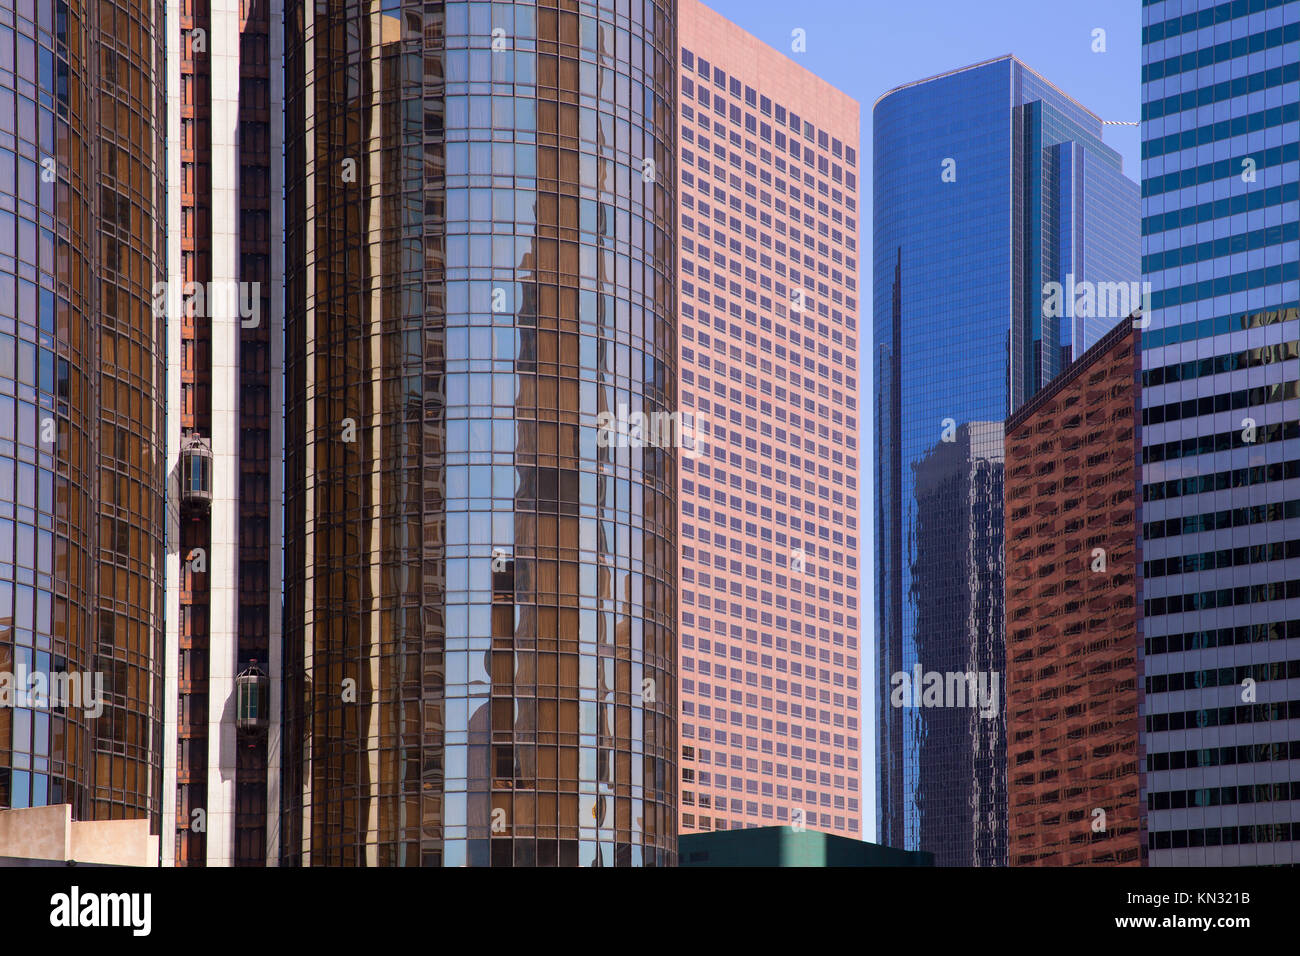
[991,185]
[960,752]
[499,589]
[81,414]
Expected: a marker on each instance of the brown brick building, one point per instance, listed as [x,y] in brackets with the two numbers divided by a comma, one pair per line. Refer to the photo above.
[1072,612]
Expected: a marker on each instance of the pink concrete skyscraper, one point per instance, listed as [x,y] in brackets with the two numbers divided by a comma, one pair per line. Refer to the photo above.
[770,658]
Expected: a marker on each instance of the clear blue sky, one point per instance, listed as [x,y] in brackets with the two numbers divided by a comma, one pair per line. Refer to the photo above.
[866,47]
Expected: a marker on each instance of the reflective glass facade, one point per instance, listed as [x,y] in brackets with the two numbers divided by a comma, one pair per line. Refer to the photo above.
[1221,444]
[990,184]
[480,606]
[81,377]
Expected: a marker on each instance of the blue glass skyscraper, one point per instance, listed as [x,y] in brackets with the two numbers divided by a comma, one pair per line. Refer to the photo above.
[1221,445]
[992,187]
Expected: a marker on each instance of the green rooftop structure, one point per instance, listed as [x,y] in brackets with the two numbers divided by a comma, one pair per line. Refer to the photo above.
[786,846]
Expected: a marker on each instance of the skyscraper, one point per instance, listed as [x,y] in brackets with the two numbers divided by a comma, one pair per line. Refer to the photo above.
[1221,444]
[81,408]
[958,562]
[223,302]
[1072,623]
[769,495]
[1005,244]
[480,592]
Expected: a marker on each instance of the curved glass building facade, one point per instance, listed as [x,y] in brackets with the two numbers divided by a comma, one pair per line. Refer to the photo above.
[990,184]
[81,389]
[480,602]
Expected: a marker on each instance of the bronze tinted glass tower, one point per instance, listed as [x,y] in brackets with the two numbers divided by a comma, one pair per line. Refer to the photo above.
[81,414]
[480,598]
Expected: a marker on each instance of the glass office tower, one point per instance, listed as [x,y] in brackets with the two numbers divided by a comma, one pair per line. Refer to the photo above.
[480,599]
[1221,444]
[991,187]
[81,406]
